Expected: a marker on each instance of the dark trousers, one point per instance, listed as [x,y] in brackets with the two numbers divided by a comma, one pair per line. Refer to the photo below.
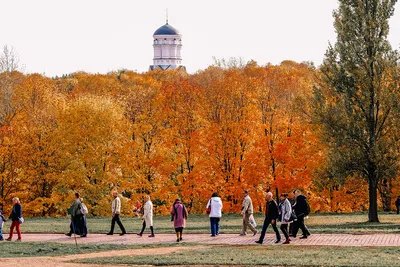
[117,220]
[284,229]
[267,222]
[214,223]
[77,225]
[144,228]
[398,209]
[299,224]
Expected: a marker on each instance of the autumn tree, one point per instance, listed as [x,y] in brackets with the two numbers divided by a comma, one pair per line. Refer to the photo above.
[358,102]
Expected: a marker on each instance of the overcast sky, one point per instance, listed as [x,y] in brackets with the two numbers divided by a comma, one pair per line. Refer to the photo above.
[55,37]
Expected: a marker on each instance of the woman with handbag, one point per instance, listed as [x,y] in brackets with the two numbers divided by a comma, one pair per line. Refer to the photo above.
[285,211]
[17,219]
[214,209]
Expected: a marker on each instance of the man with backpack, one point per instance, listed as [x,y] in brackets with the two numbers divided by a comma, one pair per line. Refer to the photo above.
[302,209]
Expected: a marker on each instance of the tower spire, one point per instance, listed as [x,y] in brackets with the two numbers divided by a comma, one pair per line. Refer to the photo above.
[166,15]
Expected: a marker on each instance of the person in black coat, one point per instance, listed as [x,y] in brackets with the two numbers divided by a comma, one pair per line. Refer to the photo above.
[397,204]
[271,215]
[300,209]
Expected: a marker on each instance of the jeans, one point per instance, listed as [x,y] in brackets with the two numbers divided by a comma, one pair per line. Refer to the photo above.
[214,222]
[267,222]
[1,234]
[114,220]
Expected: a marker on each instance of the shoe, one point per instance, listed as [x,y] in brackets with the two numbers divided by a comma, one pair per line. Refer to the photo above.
[177,240]
[121,234]
[109,233]
[256,232]
[1,239]
[303,237]
[83,235]
[242,234]
[68,234]
[286,242]
[212,235]
[8,239]
[259,242]
[289,239]
[139,234]
[18,240]
[152,235]
[180,239]
[277,241]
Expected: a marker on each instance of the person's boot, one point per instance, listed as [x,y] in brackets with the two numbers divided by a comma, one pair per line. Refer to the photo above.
[152,231]
[8,239]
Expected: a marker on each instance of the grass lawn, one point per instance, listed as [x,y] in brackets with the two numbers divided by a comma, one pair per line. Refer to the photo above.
[268,256]
[230,223]
[34,249]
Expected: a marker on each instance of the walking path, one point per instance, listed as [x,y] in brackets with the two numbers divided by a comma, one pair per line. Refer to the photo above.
[224,239]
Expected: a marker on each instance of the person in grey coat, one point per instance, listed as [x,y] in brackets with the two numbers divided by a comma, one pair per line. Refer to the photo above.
[285,210]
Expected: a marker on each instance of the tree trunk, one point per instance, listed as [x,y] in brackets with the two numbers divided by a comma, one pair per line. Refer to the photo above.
[373,200]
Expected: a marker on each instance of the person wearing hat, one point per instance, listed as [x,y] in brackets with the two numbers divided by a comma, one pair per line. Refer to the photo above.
[247,212]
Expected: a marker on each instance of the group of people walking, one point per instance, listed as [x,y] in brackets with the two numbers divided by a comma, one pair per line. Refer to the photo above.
[284,212]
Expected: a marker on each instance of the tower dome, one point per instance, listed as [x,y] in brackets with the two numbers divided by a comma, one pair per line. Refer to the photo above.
[167,44]
[166,30]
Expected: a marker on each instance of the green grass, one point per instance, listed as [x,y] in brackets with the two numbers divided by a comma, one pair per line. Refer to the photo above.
[34,249]
[268,256]
[354,223]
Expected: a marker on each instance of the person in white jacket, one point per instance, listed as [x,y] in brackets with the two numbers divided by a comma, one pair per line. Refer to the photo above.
[147,216]
[215,203]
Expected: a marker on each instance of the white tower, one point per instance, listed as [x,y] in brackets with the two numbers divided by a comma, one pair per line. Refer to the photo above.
[167,46]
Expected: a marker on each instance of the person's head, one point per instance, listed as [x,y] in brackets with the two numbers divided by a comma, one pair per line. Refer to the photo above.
[115,194]
[15,200]
[297,192]
[77,195]
[215,194]
[245,193]
[177,200]
[146,198]
[268,197]
[283,196]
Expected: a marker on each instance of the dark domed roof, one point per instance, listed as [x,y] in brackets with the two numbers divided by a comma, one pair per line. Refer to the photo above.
[166,30]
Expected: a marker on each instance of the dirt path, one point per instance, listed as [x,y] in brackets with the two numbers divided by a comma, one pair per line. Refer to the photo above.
[63,261]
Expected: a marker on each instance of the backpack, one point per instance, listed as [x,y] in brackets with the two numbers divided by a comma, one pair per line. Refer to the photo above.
[84,209]
[308,208]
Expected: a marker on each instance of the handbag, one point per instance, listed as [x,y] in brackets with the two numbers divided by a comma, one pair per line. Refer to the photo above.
[252,221]
[21,220]
[208,210]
